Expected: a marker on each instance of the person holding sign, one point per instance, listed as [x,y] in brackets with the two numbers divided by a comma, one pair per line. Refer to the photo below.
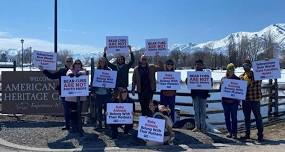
[252,102]
[57,75]
[167,97]
[199,98]
[230,105]
[121,96]
[122,68]
[144,80]
[162,112]
[101,95]
[76,70]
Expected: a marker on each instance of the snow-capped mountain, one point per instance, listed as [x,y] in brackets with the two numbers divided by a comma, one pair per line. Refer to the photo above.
[277,31]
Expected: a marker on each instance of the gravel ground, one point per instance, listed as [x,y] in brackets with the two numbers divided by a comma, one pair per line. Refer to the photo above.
[42,132]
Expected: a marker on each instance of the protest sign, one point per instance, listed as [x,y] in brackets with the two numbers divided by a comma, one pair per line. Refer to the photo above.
[105,78]
[74,86]
[117,45]
[199,80]
[119,113]
[151,129]
[266,69]
[235,89]
[168,80]
[156,47]
[47,60]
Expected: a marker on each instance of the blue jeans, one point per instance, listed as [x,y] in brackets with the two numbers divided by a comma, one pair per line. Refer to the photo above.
[253,106]
[230,112]
[200,113]
[168,101]
[100,103]
[66,112]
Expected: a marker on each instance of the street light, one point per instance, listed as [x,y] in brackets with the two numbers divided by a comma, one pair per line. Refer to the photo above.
[22,41]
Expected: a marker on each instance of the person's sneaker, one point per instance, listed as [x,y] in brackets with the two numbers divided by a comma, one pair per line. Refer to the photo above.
[245,137]
[229,136]
[195,130]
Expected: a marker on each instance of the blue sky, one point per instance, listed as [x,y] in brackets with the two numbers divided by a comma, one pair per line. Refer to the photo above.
[88,22]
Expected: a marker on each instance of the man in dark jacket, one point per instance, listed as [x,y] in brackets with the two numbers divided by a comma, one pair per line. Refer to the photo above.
[57,75]
[199,98]
[122,68]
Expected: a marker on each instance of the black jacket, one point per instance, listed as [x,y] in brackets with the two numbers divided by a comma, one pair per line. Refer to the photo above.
[56,75]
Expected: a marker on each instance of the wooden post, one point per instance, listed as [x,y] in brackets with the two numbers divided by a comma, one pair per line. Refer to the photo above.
[14,65]
[276,103]
[79,116]
[270,98]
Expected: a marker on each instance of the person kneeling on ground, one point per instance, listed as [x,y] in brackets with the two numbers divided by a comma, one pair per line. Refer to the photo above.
[121,96]
[162,112]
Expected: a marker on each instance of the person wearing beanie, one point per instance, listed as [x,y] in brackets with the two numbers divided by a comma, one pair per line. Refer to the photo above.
[230,105]
[252,101]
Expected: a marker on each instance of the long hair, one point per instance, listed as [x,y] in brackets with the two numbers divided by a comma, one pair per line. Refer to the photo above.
[105,63]
[77,61]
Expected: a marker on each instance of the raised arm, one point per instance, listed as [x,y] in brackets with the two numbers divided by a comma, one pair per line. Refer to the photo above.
[132,57]
[53,75]
[112,66]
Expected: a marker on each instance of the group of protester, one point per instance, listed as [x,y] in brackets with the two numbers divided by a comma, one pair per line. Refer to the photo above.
[143,80]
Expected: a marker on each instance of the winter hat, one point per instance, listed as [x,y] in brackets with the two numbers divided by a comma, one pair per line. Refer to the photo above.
[231,67]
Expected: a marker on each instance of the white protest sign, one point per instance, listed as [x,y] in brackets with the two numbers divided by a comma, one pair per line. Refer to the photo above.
[47,60]
[199,80]
[269,69]
[117,45]
[74,86]
[119,113]
[168,80]
[156,47]
[105,78]
[151,129]
[235,89]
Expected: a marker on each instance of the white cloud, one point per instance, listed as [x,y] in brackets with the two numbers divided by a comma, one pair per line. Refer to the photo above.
[7,42]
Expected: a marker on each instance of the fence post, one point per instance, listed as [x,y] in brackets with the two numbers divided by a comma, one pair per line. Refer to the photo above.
[14,65]
[276,104]
[270,99]
[92,103]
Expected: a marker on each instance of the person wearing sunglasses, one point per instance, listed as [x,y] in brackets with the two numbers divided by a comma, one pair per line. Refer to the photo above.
[100,96]
[167,97]
[76,70]
[121,96]
[57,75]
[252,102]
[144,80]
[121,67]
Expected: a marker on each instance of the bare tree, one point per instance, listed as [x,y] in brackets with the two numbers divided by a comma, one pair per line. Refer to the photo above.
[62,55]
[254,47]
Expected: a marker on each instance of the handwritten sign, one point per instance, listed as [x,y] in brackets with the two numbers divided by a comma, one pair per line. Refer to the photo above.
[235,89]
[168,80]
[199,80]
[47,60]
[156,47]
[74,86]
[269,69]
[119,113]
[117,45]
[105,78]
[151,129]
